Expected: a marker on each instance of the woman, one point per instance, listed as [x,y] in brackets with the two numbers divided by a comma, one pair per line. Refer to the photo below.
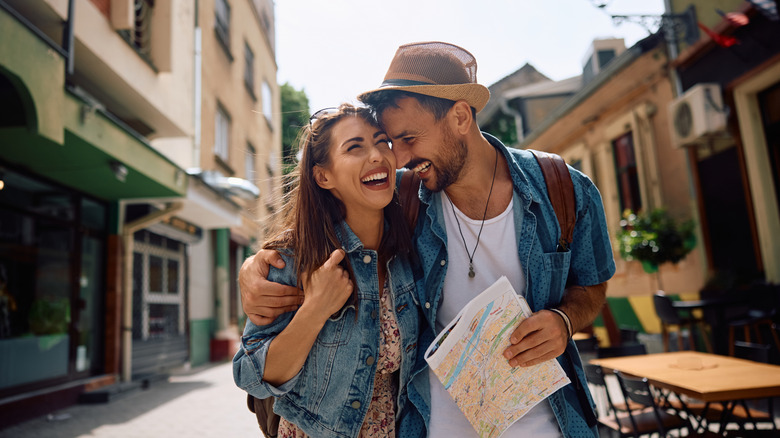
[341,364]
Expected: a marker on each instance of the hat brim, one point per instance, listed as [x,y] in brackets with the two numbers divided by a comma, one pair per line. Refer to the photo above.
[476,95]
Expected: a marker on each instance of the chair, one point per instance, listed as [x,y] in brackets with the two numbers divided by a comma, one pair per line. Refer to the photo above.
[587,347]
[639,391]
[615,416]
[670,316]
[629,335]
[743,413]
[621,350]
[762,308]
[587,344]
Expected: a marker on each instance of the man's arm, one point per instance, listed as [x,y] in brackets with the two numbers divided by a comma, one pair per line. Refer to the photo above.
[544,336]
[261,299]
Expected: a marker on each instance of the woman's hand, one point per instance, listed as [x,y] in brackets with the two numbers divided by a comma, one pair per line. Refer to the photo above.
[326,291]
[327,288]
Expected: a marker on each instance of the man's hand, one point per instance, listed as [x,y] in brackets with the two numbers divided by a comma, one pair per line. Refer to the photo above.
[543,335]
[538,338]
[261,299]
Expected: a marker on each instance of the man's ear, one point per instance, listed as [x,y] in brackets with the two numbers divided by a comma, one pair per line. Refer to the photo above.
[461,117]
[321,176]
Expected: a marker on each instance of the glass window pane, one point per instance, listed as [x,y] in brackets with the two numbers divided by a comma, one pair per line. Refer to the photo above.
[155,274]
[93,214]
[138,295]
[173,276]
[88,351]
[35,311]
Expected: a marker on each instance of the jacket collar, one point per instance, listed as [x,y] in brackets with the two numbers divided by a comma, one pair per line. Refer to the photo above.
[349,241]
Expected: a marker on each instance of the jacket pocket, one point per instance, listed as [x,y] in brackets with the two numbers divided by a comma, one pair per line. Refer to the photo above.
[337,332]
[556,271]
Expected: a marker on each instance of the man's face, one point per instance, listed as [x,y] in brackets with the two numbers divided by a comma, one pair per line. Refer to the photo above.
[424,146]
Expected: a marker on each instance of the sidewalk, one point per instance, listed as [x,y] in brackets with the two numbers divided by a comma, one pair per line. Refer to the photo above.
[201,403]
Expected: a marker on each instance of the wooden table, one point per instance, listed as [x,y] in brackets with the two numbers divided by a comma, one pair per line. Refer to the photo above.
[703,376]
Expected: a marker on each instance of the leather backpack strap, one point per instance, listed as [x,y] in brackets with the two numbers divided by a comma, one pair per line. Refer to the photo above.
[560,189]
[410,200]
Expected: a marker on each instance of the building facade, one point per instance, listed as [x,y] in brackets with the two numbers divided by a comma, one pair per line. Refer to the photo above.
[615,129]
[733,156]
[126,206]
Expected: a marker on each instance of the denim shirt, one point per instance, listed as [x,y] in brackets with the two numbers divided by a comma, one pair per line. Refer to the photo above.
[547,272]
[330,396]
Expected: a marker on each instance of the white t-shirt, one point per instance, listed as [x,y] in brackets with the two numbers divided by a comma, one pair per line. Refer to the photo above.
[495,256]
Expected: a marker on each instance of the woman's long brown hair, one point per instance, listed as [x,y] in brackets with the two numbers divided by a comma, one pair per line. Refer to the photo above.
[310,215]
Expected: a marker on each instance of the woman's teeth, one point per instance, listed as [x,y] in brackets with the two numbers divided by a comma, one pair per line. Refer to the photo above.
[375,177]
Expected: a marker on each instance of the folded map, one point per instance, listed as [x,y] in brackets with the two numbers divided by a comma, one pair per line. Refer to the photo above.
[467,357]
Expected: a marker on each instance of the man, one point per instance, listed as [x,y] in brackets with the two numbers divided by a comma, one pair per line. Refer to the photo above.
[484,213]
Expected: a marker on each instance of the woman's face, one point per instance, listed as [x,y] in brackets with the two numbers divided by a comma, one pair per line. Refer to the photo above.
[361,172]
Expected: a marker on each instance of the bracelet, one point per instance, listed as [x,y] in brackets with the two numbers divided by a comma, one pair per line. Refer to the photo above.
[565,318]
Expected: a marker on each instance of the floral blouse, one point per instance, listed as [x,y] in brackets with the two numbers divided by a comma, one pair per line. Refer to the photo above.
[380,418]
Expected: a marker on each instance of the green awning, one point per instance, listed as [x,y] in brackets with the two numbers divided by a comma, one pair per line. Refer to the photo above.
[67,139]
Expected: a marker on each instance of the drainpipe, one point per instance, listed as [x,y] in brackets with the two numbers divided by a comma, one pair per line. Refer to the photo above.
[67,40]
[198,43]
[127,317]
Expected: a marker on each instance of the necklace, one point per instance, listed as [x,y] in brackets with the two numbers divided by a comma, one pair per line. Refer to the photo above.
[484,215]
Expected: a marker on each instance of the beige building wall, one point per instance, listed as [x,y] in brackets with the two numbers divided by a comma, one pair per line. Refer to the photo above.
[254,113]
[153,95]
[636,100]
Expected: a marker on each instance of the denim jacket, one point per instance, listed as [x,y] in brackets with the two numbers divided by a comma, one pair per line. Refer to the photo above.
[547,272]
[330,396]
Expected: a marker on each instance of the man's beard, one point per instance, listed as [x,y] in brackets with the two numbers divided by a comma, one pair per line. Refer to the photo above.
[450,162]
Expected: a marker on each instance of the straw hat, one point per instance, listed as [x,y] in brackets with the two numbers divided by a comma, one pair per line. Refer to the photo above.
[435,69]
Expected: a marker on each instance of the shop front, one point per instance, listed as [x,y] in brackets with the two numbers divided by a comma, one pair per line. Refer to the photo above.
[67,168]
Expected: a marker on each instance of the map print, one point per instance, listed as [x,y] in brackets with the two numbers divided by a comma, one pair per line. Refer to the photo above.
[467,358]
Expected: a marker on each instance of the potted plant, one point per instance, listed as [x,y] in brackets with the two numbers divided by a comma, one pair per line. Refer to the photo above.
[654,238]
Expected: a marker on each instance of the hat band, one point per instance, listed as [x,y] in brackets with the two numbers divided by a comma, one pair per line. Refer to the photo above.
[402,83]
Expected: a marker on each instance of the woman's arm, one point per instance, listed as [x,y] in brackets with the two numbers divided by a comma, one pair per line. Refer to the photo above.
[327,289]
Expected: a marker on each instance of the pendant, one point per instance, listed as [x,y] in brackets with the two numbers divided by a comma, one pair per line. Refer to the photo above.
[471,271]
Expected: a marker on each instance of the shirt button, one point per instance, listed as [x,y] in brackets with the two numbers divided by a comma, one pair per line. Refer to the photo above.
[427,305]
[443,262]
[366,258]
[355,404]
[370,360]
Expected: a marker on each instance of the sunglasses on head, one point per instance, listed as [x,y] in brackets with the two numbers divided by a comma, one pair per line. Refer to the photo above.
[320,114]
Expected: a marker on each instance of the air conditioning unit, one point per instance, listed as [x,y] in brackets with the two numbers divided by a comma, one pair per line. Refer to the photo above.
[697,115]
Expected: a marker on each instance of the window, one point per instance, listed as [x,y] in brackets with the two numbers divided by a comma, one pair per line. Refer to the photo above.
[222,134]
[222,23]
[604,57]
[249,162]
[139,35]
[267,103]
[158,292]
[626,171]
[49,233]
[249,70]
